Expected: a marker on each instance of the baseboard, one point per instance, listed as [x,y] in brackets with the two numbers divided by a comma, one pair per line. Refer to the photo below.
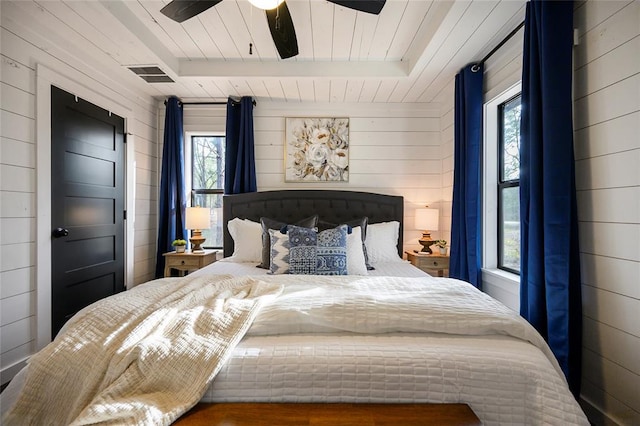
[595,416]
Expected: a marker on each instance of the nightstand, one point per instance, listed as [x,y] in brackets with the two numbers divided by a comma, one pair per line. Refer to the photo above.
[434,264]
[188,261]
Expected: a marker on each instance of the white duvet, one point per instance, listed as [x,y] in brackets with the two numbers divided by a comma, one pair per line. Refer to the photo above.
[390,339]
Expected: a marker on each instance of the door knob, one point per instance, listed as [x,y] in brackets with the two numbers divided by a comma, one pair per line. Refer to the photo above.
[60,232]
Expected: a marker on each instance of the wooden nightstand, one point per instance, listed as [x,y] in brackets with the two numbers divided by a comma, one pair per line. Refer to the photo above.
[434,264]
[188,261]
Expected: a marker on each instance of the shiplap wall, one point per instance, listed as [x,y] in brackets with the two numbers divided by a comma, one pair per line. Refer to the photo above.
[21,51]
[607,148]
[394,149]
[501,71]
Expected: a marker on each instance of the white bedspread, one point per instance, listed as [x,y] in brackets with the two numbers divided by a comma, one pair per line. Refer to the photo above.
[392,339]
[389,339]
[144,356]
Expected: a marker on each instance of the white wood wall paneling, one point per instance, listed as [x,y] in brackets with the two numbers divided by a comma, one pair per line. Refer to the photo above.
[607,77]
[179,42]
[17,74]
[59,34]
[609,171]
[620,240]
[468,23]
[594,205]
[381,42]
[614,136]
[616,379]
[609,103]
[615,28]
[408,133]
[413,15]
[214,27]
[22,46]
[110,33]
[21,50]
[607,341]
[610,274]
[504,68]
[437,36]
[290,90]
[369,90]
[274,89]
[343,23]
[600,72]
[65,13]
[201,36]
[460,53]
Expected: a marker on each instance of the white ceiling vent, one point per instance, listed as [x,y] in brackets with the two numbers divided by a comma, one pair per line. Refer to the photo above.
[151,74]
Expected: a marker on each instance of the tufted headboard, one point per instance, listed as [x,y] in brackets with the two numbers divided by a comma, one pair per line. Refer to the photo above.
[293,205]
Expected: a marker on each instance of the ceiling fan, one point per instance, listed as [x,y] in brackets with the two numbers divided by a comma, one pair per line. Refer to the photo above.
[278,17]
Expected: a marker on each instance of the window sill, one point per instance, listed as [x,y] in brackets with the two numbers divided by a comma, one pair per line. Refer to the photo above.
[503,286]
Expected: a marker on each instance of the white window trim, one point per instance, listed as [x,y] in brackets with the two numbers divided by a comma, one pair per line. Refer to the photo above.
[503,285]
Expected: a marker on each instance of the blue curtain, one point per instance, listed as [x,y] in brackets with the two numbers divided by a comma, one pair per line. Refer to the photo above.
[172,193]
[466,226]
[240,163]
[550,296]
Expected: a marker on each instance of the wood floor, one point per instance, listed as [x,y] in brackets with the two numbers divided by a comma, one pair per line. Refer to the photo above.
[290,414]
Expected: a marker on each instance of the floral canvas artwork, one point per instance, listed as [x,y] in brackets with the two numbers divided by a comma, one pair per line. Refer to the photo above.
[317,150]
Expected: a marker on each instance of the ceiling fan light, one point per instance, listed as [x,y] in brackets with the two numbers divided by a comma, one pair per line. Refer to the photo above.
[266,4]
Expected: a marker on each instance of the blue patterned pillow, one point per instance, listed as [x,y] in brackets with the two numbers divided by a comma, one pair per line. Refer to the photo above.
[279,253]
[319,253]
[302,250]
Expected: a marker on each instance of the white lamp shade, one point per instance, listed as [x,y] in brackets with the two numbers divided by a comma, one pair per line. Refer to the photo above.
[266,4]
[198,218]
[427,219]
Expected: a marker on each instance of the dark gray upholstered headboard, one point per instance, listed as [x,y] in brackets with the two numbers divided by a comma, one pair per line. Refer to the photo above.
[292,205]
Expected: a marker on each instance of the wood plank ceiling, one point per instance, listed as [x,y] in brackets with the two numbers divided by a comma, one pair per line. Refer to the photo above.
[408,53]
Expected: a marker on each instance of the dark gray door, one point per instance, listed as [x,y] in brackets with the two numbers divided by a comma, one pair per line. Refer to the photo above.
[87,205]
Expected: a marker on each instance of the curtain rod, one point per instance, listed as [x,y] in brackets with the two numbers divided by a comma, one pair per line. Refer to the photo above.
[476,67]
[208,103]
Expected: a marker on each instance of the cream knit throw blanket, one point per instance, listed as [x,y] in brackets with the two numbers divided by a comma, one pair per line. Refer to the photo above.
[144,356]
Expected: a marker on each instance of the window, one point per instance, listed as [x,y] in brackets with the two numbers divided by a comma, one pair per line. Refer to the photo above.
[508,185]
[207,181]
[501,182]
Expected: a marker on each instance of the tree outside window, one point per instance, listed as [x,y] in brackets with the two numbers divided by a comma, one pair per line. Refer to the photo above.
[509,186]
[207,182]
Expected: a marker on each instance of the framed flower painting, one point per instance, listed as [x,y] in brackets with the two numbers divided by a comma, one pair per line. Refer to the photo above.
[316,150]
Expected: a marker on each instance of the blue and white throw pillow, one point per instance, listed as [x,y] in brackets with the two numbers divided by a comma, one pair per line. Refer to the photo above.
[302,250]
[319,253]
[332,251]
[279,253]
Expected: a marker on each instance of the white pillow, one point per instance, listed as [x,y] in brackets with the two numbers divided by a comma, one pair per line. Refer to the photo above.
[355,255]
[382,242]
[247,240]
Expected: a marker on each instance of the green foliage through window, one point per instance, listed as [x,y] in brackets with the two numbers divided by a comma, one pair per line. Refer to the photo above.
[509,186]
[207,183]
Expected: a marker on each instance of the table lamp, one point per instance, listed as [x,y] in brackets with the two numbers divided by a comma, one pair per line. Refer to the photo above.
[427,219]
[198,218]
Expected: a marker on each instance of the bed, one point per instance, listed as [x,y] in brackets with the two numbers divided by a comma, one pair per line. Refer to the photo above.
[390,335]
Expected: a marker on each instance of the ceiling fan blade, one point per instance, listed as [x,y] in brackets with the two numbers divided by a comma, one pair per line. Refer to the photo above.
[181,10]
[282,31]
[369,6]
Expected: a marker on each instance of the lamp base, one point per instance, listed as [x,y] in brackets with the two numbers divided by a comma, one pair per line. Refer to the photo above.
[426,242]
[196,241]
